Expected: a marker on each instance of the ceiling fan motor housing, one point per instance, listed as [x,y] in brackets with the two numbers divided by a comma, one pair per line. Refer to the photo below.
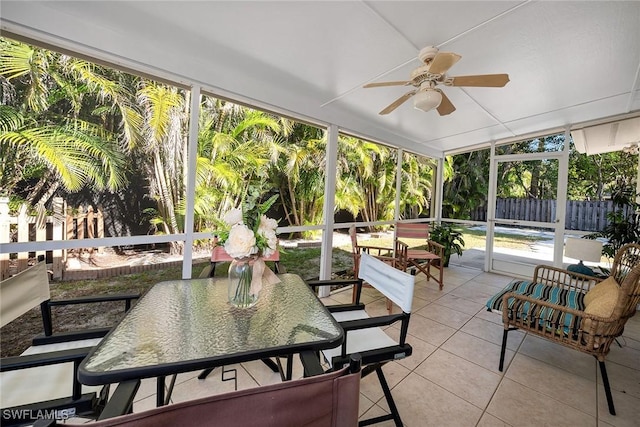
[426,54]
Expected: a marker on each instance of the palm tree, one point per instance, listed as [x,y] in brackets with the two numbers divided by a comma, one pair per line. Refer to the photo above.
[366,179]
[299,173]
[164,146]
[466,183]
[417,182]
[43,134]
[236,146]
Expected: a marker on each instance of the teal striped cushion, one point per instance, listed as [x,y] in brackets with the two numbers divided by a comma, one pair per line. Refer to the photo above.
[555,295]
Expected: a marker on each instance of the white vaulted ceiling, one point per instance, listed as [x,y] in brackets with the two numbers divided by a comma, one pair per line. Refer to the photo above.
[568,62]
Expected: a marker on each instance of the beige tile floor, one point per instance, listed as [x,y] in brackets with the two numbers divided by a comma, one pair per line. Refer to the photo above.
[452,378]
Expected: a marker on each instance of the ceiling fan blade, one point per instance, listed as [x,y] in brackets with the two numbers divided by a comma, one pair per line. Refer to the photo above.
[483,80]
[445,107]
[397,83]
[395,104]
[442,62]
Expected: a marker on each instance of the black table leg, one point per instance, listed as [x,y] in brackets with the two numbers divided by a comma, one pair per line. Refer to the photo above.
[271,364]
[204,374]
[160,391]
[289,367]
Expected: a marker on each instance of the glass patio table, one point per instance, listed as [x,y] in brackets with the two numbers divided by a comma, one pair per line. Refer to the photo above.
[188,325]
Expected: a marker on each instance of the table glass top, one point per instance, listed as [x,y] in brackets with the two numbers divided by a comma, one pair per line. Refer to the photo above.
[185,320]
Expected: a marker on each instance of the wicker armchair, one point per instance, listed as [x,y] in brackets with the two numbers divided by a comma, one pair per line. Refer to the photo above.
[558,306]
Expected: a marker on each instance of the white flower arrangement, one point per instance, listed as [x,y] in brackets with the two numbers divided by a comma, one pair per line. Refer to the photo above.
[248,231]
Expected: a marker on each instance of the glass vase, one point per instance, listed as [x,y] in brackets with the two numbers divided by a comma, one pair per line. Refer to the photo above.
[240,277]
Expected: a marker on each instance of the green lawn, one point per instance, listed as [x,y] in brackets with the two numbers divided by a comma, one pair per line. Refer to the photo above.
[472,239]
[302,261]
[477,238]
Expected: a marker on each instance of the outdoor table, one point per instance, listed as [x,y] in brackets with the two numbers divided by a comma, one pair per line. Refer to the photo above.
[188,325]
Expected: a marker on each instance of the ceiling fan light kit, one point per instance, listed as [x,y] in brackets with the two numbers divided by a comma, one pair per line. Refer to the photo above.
[427,99]
[425,78]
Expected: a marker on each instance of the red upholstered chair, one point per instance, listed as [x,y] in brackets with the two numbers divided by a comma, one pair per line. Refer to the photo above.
[422,259]
[330,400]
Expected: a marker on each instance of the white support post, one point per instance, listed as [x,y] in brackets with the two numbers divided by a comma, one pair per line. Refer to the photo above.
[396,214]
[491,208]
[5,236]
[194,114]
[561,200]
[440,187]
[326,254]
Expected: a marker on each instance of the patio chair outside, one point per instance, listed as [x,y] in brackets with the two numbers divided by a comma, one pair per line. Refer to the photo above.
[364,334]
[574,310]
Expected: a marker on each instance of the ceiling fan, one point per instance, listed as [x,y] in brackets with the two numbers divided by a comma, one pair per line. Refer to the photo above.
[426,77]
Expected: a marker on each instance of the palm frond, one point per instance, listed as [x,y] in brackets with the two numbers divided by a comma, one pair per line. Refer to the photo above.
[10,119]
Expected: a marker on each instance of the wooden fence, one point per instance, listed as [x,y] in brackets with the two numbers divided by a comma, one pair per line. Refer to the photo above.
[580,215]
[64,224]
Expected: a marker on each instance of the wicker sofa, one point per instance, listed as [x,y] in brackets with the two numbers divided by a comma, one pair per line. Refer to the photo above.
[574,310]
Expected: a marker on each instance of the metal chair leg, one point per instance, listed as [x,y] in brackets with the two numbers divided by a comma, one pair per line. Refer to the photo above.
[607,387]
[395,414]
[503,349]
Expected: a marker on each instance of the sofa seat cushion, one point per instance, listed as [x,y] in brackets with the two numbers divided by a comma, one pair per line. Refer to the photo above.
[552,294]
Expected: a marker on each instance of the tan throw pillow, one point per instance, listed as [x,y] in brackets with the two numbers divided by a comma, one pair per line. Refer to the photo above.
[599,289]
[603,304]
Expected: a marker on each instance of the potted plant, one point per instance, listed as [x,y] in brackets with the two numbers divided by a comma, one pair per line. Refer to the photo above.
[623,223]
[448,237]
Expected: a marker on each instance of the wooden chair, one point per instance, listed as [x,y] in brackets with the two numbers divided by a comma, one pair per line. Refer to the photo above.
[218,254]
[382,253]
[577,311]
[44,377]
[364,334]
[385,254]
[422,259]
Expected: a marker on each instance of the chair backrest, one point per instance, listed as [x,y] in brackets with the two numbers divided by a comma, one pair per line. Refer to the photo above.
[391,282]
[626,271]
[626,258]
[412,230]
[354,240]
[22,292]
[218,254]
[322,400]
